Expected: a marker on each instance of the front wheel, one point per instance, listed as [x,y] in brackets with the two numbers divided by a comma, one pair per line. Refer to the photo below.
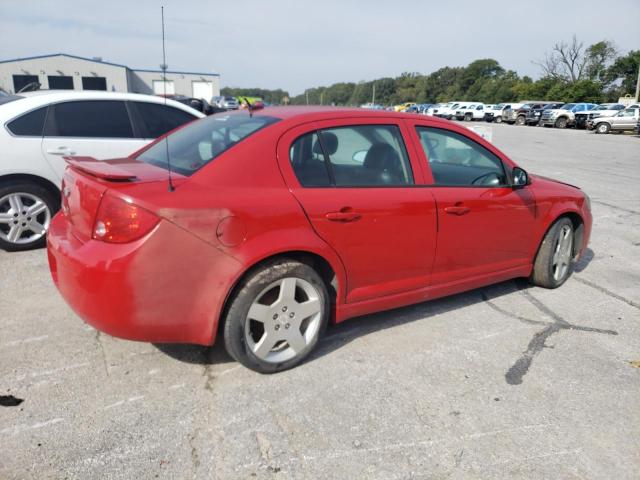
[603,127]
[276,317]
[498,120]
[561,123]
[553,264]
[26,209]
[520,120]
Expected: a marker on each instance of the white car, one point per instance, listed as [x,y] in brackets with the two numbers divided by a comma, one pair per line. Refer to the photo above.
[38,129]
[494,114]
[475,111]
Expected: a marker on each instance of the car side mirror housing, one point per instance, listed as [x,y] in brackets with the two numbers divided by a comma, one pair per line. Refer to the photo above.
[519,177]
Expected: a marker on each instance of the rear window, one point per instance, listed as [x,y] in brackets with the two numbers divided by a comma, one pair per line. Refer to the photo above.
[158,119]
[5,98]
[197,144]
[30,124]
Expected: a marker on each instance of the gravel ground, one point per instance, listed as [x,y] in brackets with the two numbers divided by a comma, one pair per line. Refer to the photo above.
[504,382]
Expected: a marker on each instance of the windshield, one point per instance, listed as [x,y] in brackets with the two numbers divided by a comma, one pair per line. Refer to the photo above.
[499,106]
[197,144]
[568,106]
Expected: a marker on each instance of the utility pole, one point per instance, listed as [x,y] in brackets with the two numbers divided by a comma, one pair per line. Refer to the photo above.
[373,98]
[321,97]
[307,95]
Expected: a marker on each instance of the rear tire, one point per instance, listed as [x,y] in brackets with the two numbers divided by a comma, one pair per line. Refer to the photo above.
[26,209]
[276,317]
[554,261]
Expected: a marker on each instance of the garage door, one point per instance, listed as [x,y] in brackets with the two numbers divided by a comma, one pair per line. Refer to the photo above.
[202,90]
[159,87]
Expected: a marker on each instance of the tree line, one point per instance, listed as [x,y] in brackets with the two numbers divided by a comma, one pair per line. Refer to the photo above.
[570,71]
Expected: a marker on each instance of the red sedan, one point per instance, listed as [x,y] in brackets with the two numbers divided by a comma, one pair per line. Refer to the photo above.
[264,226]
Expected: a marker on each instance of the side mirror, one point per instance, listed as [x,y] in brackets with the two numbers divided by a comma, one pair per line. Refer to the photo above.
[519,177]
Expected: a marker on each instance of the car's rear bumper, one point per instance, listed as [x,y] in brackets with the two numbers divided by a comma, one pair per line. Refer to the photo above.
[168,286]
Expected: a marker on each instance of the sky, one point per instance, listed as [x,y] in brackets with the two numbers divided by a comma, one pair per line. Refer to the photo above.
[300,44]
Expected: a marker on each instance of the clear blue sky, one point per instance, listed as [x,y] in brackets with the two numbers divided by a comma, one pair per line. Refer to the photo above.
[299,44]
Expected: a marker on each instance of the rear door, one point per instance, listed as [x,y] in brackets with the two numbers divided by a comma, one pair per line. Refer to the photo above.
[484,225]
[93,128]
[356,181]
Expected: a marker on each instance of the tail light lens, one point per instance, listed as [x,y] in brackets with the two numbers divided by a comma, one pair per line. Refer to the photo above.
[119,221]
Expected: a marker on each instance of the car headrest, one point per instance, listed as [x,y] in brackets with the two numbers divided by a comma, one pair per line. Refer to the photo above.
[330,143]
[381,156]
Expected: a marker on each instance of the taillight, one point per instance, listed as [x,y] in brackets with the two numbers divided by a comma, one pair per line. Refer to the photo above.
[119,221]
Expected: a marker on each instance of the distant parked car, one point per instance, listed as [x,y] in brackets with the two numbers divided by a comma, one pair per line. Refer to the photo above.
[227,102]
[564,116]
[532,115]
[403,106]
[625,120]
[603,110]
[40,128]
[468,113]
[495,114]
[518,116]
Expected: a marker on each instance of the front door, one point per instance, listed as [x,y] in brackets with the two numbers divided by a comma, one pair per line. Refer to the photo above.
[484,225]
[356,184]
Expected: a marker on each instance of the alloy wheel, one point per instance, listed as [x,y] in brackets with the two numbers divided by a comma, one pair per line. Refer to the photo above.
[283,320]
[562,253]
[24,218]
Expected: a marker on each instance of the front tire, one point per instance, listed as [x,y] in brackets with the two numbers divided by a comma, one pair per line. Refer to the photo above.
[498,120]
[553,264]
[603,128]
[26,209]
[561,123]
[277,315]
[520,120]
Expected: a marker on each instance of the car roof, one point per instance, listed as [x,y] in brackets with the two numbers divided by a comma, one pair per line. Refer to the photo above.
[40,98]
[313,113]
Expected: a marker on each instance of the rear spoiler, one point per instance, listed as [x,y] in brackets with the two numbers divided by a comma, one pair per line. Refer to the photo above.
[100,169]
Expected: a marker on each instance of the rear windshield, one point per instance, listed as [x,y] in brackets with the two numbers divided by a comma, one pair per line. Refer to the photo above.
[195,145]
[4,98]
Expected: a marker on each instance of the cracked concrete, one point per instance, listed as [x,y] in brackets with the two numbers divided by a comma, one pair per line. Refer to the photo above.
[509,381]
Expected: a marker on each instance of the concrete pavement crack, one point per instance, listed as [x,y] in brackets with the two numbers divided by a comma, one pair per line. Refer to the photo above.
[520,368]
[607,292]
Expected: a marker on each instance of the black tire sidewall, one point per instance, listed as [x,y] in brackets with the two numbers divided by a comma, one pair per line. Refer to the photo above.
[245,294]
[38,191]
[543,266]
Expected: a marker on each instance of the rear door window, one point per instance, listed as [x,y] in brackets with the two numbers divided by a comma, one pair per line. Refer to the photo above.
[352,156]
[155,119]
[89,118]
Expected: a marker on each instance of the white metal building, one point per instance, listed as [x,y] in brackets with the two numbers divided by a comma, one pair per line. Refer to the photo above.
[61,71]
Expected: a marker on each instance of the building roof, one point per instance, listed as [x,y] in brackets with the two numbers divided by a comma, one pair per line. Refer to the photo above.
[105,63]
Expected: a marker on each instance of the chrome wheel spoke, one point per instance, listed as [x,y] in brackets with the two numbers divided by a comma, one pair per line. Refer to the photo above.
[296,340]
[6,218]
[264,345]
[37,208]
[259,312]
[287,290]
[16,203]
[36,227]
[14,233]
[308,308]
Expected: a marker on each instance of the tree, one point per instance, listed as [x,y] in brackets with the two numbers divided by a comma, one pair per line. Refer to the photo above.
[624,71]
[566,61]
[598,58]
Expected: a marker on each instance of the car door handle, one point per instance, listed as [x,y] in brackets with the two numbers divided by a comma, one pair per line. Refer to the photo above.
[61,151]
[457,210]
[344,215]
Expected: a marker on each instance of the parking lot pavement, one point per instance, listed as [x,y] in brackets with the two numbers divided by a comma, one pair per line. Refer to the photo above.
[508,381]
